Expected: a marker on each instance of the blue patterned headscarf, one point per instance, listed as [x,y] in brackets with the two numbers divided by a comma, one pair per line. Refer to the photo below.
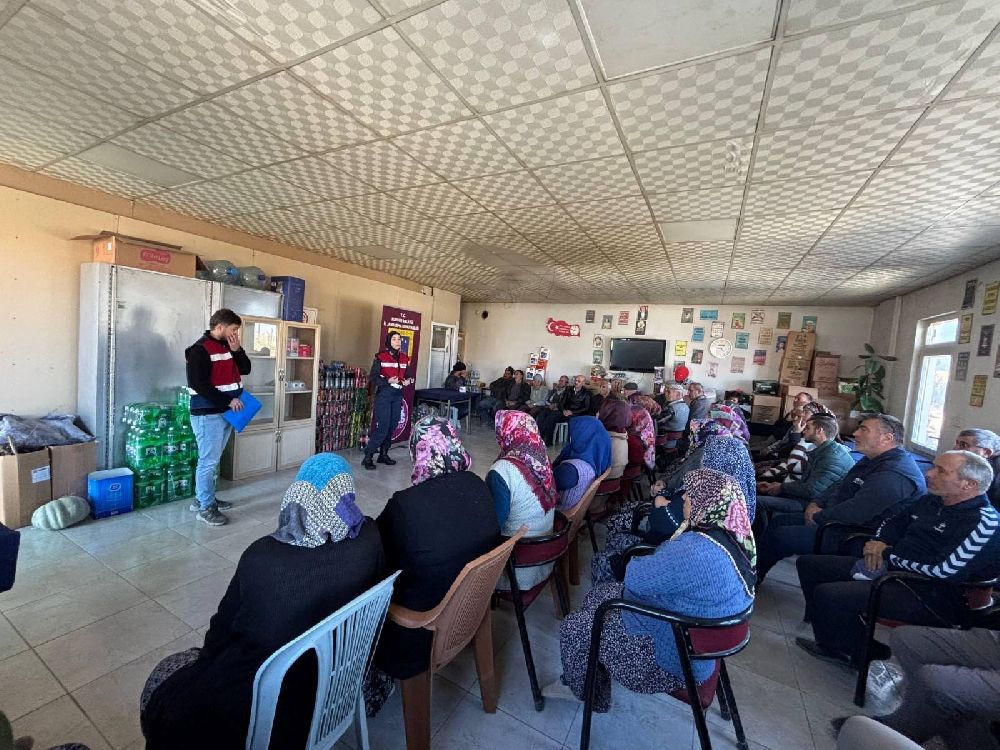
[319,505]
[588,441]
[729,456]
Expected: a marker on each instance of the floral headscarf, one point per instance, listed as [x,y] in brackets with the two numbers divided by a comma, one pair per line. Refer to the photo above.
[730,456]
[319,506]
[648,404]
[642,426]
[717,503]
[702,431]
[615,415]
[732,418]
[435,449]
[520,443]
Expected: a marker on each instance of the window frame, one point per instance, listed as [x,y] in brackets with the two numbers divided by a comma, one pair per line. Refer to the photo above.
[921,352]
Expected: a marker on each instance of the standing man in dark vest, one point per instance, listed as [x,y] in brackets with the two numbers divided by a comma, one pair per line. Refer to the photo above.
[390,372]
[215,363]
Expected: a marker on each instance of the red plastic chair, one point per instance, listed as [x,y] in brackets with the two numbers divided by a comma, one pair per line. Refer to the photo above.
[600,506]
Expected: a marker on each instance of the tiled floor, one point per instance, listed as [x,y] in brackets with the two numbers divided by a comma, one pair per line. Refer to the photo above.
[97,605]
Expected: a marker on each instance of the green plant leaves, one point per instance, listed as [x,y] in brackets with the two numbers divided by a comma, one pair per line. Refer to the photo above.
[870,403]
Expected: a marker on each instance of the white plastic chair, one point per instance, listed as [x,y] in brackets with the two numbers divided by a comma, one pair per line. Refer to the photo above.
[344,643]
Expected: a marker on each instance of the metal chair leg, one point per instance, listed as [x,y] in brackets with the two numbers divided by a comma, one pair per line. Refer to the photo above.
[861,689]
[720,695]
[593,536]
[741,738]
[522,627]
[692,690]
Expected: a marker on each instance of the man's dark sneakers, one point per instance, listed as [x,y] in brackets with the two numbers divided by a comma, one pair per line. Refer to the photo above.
[220,504]
[822,652]
[383,458]
[212,516]
[368,463]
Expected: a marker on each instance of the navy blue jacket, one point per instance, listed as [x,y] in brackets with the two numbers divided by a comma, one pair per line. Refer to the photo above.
[875,489]
[955,542]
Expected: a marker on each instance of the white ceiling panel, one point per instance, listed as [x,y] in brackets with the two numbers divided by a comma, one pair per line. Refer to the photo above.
[101,178]
[319,177]
[511,190]
[795,227]
[539,219]
[244,193]
[502,54]
[610,177]
[627,238]
[893,217]
[441,199]
[178,151]
[30,142]
[939,183]
[983,210]
[612,212]
[958,236]
[427,230]
[703,165]
[805,15]
[698,205]
[982,77]
[954,130]
[801,195]
[475,226]
[383,165]
[382,208]
[459,150]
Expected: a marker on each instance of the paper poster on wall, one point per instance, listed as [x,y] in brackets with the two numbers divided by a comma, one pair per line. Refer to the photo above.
[588,316]
[598,341]
[784,321]
[766,336]
[680,348]
[640,326]
[643,313]
[713,369]
[756,317]
[533,359]
[697,356]
[969,298]
[597,356]
[965,329]
[561,327]
[687,315]
[739,321]
[809,323]
[962,367]
[623,317]
[718,329]
[606,322]
[543,354]
[996,364]
[743,340]
[978,390]
[779,344]
[708,315]
[737,364]
[658,375]
[698,333]
[990,297]
[760,356]
[985,347]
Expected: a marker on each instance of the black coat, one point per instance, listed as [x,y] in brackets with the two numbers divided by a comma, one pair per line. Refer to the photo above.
[430,531]
[277,593]
[576,402]
[520,394]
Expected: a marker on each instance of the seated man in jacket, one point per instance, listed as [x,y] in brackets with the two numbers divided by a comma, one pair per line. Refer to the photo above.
[985,443]
[829,462]
[698,403]
[883,483]
[457,380]
[952,534]
[574,402]
[674,417]
[489,405]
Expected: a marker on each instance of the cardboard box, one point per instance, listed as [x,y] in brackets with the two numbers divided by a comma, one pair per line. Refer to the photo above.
[791,391]
[134,252]
[766,409]
[310,315]
[826,368]
[70,466]
[25,485]
[789,376]
[800,345]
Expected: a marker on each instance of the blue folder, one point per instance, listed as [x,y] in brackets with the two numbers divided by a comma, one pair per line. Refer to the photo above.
[240,419]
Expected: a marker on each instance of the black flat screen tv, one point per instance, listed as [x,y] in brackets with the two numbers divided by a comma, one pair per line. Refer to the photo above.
[637,355]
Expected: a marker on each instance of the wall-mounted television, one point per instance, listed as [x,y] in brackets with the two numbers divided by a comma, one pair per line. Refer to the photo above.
[637,355]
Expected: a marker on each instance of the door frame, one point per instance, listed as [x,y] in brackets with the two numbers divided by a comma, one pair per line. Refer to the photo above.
[452,342]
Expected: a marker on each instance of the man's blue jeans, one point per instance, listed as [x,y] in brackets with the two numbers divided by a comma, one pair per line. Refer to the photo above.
[211,432]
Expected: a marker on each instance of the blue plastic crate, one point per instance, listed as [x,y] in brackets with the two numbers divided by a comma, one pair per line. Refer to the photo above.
[110,492]
[293,290]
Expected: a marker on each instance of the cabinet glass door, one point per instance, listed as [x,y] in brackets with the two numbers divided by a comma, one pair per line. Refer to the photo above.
[300,373]
[260,342]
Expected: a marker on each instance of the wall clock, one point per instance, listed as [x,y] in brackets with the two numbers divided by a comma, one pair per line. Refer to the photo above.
[720,348]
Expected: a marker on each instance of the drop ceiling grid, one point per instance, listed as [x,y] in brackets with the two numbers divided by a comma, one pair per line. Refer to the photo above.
[536,155]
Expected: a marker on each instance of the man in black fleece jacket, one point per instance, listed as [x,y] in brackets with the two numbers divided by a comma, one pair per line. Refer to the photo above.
[950,535]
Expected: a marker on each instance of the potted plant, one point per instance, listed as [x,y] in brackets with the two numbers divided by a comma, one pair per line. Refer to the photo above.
[868,391]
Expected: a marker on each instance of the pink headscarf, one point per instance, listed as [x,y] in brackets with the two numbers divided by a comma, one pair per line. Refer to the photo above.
[642,426]
[520,443]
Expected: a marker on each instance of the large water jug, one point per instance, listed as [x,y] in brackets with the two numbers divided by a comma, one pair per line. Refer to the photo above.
[221,270]
[251,276]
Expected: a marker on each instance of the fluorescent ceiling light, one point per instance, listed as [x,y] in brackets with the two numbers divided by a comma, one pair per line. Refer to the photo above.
[122,160]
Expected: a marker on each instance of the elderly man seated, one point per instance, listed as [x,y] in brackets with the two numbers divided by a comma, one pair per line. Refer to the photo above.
[674,416]
[698,403]
[985,443]
[499,388]
[539,395]
[883,483]
[951,534]
[574,402]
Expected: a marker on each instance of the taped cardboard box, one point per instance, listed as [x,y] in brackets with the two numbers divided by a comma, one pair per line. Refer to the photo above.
[122,250]
[766,409]
[70,466]
[800,345]
[25,485]
[794,377]
[826,368]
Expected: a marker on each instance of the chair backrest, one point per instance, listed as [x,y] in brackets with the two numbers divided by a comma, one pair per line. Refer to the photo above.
[540,549]
[578,513]
[462,608]
[632,472]
[343,644]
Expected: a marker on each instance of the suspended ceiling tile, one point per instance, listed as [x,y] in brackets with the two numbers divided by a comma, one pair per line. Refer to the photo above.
[645,37]
[797,227]
[712,230]
[982,210]
[958,236]
[940,183]
[328,238]
[564,245]
[539,219]
[609,177]
[710,164]
[278,222]
[320,177]
[293,28]
[698,205]
[329,214]
[857,143]
[982,77]
[695,251]
[805,15]
[861,245]
[291,110]
[383,165]
[568,128]
[892,217]
[806,194]
[441,199]
[225,131]
[100,177]
[381,207]
[30,142]
[459,150]
[474,226]
[502,54]
[376,234]
[899,61]
[244,193]
[953,130]
[45,45]
[173,37]
[426,230]
[611,212]
[157,142]
[914,253]
[513,249]
[505,191]
[627,238]
[49,99]
[706,101]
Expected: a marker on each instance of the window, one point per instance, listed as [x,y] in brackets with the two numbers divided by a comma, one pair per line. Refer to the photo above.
[934,371]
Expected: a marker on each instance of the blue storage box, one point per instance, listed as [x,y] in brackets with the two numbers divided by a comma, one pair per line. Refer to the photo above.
[293,291]
[110,492]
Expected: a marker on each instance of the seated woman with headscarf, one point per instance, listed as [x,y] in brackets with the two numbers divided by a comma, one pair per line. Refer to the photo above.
[616,416]
[522,485]
[323,555]
[422,538]
[641,437]
[715,544]
[585,457]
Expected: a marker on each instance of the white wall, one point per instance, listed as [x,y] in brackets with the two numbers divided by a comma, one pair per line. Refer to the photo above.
[513,331]
[941,298]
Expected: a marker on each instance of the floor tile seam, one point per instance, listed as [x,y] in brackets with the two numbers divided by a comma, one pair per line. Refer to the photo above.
[67,694]
[145,600]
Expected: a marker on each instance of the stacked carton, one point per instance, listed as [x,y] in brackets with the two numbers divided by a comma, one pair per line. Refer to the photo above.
[825,373]
[797,358]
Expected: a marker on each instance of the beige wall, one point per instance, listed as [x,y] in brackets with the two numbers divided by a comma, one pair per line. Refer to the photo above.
[40,298]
